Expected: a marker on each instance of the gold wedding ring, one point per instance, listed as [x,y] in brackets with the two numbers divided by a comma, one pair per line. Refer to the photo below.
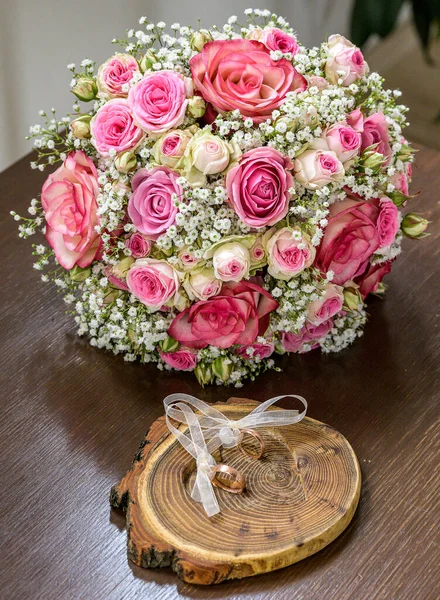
[235,486]
[257,436]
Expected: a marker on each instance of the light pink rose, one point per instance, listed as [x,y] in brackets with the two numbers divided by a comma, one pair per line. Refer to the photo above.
[326,306]
[237,315]
[344,141]
[231,262]
[114,75]
[309,334]
[400,182]
[356,120]
[258,187]
[139,245]
[68,199]
[259,350]
[113,128]
[275,39]
[239,74]
[345,61]
[376,132]
[188,259]
[181,360]
[257,252]
[349,240]
[202,284]
[153,282]
[158,101]
[369,281]
[289,252]
[170,147]
[151,207]
[316,168]
[317,81]
[387,222]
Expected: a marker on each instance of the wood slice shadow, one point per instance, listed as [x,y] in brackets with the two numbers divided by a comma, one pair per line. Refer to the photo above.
[299,497]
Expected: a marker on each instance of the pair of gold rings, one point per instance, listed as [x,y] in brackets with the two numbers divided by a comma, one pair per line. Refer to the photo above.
[235,483]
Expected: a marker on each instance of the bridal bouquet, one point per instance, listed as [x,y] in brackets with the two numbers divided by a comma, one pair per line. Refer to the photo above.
[222,194]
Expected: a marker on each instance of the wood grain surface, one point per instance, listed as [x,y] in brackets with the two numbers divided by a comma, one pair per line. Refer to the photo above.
[299,497]
[72,417]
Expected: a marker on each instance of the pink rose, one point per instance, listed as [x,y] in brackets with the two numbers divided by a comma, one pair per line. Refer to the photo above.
[345,61]
[316,168]
[153,282]
[369,281]
[68,199]
[237,315]
[259,350]
[401,183]
[350,238]
[387,222]
[239,74]
[258,187]
[344,141]
[114,75]
[113,128]
[151,206]
[139,245]
[309,334]
[275,39]
[181,360]
[356,120]
[289,252]
[158,101]
[376,132]
[326,306]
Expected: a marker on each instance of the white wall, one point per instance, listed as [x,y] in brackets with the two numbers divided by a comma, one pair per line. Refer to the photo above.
[38,38]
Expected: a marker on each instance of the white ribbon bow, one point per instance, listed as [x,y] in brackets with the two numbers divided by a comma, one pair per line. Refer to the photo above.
[215,427]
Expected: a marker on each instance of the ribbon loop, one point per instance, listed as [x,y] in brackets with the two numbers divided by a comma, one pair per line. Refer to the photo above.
[210,429]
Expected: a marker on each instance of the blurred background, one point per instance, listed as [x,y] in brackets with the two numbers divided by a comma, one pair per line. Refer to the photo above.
[38,38]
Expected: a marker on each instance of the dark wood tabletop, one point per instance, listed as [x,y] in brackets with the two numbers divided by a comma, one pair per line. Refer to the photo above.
[72,418]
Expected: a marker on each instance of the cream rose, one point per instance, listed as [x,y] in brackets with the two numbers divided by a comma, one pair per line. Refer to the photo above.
[170,147]
[315,168]
[231,262]
[288,251]
[202,284]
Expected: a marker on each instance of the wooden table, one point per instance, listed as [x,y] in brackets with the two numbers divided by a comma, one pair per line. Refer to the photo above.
[73,416]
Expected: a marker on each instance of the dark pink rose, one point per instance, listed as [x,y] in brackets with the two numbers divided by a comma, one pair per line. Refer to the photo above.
[258,187]
[68,199]
[240,74]
[376,132]
[182,359]
[387,222]
[275,39]
[237,315]
[259,350]
[309,334]
[113,128]
[369,281]
[350,238]
[139,245]
[151,207]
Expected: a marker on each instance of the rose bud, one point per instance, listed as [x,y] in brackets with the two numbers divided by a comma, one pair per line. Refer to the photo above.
[196,107]
[169,344]
[147,61]
[222,368]
[85,88]
[81,127]
[372,160]
[78,274]
[352,299]
[126,162]
[203,374]
[414,226]
[199,39]
[121,268]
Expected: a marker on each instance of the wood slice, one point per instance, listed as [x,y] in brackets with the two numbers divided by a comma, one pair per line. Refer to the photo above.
[299,497]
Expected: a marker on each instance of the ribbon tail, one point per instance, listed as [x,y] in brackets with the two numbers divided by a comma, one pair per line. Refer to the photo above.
[203,492]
